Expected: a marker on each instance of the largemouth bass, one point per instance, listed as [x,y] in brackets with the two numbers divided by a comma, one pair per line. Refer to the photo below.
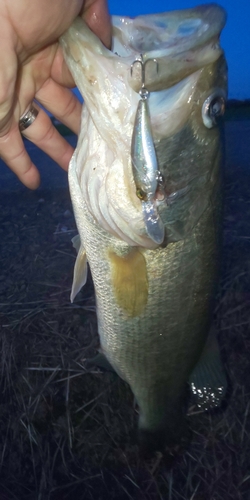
[145,187]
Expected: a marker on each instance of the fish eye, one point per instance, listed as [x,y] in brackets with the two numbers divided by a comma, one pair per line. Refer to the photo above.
[213,108]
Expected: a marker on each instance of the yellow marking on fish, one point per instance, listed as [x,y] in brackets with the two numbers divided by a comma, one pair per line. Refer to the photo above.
[129,281]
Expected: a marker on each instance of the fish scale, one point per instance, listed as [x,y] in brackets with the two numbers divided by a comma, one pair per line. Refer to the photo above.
[138,355]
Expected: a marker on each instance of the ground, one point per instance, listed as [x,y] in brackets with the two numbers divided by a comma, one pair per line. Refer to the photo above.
[69,432]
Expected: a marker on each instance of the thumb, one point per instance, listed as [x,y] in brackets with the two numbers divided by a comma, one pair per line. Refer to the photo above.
[8,76]
[95,13]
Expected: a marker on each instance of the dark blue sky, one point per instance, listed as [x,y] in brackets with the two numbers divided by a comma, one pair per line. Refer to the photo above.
[235,38]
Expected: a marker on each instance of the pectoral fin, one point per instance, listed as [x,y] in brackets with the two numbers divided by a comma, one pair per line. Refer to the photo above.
[129,280]
[80,269]
[76,242]
[208,381]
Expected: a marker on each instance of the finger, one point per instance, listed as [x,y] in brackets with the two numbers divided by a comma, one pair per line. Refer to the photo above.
[60,72]
[8,74]
[12,150]
[44,135]
[14,154]
[96,15]
[62,103]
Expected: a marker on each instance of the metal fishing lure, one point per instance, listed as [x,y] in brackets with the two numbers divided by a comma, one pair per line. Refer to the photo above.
[144,161]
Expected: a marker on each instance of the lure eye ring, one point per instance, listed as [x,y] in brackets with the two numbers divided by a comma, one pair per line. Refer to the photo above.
[213,108]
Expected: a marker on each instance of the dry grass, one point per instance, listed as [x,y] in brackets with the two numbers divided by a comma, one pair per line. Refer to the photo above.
[68,432]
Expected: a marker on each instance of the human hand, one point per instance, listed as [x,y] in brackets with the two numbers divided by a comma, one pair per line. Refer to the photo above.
[32,67]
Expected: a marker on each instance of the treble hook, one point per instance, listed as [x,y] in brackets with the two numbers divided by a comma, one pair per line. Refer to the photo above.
[144,93]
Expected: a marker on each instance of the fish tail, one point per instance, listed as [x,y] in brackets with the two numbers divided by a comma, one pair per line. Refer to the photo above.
[208,381]
[171,437]
[163,424]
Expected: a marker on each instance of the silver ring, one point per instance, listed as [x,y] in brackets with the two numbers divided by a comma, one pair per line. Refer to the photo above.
[28,118]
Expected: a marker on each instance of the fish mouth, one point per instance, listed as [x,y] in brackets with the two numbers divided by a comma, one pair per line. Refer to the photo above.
[181,41]
[168,33]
